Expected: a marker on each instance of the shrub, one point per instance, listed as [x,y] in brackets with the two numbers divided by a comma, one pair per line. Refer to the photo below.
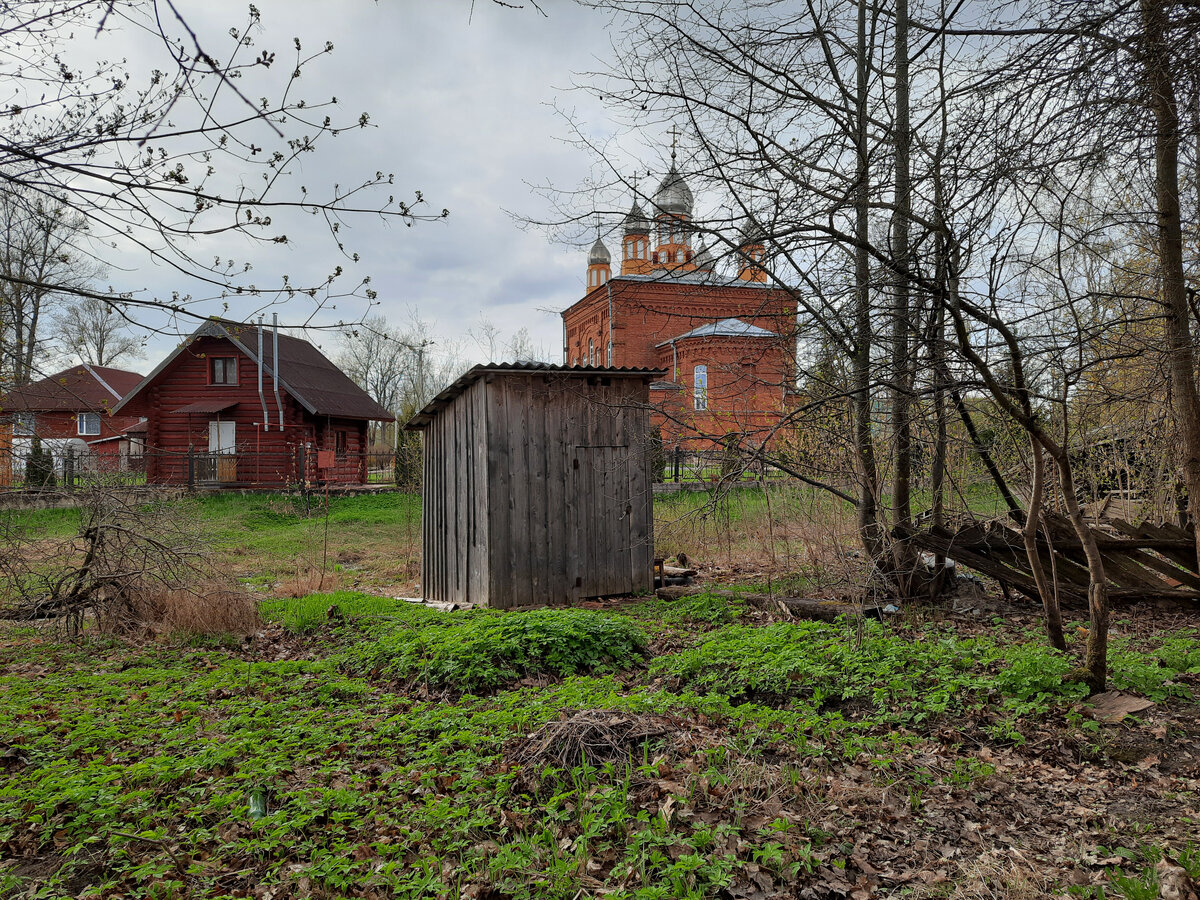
[39,468]
[481,650]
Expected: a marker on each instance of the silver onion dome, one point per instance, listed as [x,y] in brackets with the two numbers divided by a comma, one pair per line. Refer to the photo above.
[673,195]
[636,221]
[753,234]
[704,259]
[598,255]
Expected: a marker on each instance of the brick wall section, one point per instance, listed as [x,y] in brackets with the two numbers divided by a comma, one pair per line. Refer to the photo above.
[749,379]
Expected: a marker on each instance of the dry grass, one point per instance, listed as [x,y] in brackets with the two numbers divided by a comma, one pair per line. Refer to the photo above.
[213,607]
[996,875]
[308,580]
[785,532]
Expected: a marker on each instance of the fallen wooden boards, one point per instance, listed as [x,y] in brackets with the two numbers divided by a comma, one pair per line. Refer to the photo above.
[801,608]
[1143,562]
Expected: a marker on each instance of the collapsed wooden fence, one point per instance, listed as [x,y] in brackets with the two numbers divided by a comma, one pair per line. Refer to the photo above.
[1141,562]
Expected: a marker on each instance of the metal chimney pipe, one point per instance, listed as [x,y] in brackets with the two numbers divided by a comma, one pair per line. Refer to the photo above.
[275,364]
[262,398]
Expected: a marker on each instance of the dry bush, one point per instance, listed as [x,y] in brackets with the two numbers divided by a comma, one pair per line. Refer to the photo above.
[138,559]
[211,608]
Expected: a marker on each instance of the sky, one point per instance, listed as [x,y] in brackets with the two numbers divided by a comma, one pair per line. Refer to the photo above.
[466,105]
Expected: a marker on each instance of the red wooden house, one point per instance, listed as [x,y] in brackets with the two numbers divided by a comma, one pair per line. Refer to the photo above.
[71,409]
[225,409]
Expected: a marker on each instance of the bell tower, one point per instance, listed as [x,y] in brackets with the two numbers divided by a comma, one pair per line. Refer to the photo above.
[672,214]
[599,268]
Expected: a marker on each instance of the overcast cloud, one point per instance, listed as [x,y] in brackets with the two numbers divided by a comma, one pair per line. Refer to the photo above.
[462,108]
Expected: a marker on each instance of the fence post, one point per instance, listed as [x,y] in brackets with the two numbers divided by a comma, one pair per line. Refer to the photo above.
[69,470]
[675,464]
[191,463]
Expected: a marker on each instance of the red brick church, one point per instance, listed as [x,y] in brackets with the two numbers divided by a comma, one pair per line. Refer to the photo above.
[726,340]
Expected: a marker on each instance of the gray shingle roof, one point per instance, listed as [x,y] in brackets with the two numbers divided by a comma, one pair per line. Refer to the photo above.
[723,328]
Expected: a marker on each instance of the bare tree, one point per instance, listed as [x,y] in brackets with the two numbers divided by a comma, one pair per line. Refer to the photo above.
[42,259]
[203,140]
[97,332]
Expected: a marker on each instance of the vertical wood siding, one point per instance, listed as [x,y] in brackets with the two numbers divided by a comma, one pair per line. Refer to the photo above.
[537,490]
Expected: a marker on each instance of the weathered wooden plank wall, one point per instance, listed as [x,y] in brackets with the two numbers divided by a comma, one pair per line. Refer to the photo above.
[537,489]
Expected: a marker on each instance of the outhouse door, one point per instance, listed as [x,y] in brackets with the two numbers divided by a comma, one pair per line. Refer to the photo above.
[603,508]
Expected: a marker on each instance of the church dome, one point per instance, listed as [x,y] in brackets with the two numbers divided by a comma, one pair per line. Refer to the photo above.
[673,195]
[598,255]
[636,222]
[704,259]
[753,234]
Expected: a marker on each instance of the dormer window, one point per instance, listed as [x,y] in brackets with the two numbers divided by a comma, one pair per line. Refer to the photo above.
[223,370]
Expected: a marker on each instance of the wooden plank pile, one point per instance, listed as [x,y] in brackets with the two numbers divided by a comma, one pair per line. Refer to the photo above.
[1141,562]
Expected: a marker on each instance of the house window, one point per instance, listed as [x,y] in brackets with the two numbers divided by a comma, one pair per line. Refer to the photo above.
[223,370]
[24,424]
[700,387]
[89,423]
[339,444]
[591,352]
[610,362]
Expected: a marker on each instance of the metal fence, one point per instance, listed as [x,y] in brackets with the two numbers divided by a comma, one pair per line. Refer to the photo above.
[680,466]
[67,469]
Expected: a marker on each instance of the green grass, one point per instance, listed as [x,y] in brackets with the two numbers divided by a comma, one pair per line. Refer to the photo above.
[264,538]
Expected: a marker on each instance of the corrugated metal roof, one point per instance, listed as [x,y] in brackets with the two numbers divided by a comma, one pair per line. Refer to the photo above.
[464,381]
[723,328]
[207,406]
[80,387]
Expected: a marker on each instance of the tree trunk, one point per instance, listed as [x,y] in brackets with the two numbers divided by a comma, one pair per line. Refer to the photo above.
[901,390]
[1054,629]
[1181,362]
[868,491]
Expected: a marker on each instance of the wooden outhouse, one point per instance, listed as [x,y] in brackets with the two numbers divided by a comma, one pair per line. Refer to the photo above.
[537,485]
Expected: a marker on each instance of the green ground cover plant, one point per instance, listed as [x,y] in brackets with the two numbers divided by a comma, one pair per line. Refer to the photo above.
[481,650]
[401,751]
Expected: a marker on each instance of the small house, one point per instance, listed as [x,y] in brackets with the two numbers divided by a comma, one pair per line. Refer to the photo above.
[537,485]
[69,412]
[240,405]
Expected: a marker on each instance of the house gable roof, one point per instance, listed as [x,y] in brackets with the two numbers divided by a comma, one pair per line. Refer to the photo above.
[304,372]
[79,388]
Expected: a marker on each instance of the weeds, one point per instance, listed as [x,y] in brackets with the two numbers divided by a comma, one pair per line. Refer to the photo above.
[480,650]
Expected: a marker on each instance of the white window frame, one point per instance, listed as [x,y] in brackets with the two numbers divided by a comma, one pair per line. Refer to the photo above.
[87,424]
[24,424]
[700,388]
[222,437]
